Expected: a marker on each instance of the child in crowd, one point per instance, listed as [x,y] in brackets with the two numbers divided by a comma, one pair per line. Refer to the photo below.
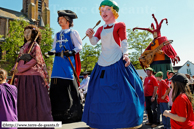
[163,90]
[8,100]
[181,114]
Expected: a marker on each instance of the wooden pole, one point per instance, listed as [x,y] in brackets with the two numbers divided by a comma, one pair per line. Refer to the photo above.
[93,27]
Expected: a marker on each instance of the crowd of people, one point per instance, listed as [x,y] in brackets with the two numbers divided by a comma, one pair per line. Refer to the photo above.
[172,98]
[114,95]
[176,109]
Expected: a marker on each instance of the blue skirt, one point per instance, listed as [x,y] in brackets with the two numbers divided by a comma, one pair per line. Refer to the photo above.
[115,97]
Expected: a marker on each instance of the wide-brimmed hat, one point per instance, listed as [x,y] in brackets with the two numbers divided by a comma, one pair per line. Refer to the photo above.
[68,13]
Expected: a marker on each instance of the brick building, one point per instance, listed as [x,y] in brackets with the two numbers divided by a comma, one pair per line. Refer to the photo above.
[34,11]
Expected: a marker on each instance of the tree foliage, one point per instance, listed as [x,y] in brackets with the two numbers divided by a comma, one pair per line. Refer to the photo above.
[15,39]
[46,45]
[89,56]
[138,42]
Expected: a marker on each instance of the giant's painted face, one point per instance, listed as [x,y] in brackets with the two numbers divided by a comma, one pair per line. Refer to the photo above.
[28,34]
[62,21]
[106,13]
[155,35]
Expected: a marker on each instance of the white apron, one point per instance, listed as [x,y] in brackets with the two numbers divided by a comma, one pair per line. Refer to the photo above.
[111,51]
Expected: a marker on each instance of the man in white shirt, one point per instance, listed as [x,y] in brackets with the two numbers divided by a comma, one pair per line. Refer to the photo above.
[84,84]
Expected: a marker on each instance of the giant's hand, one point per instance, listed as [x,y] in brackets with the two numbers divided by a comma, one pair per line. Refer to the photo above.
[176,60]
[90,32]
[49,53]
[126,58]
[25,57]
[15,71]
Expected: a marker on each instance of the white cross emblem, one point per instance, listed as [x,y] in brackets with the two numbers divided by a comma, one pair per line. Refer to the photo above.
[60,41]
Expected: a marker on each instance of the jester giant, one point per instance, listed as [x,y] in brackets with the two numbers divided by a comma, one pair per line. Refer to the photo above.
[162,59]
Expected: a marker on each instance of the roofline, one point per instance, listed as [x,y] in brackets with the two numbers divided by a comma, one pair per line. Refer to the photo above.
[177,66]
[10,10]
[188,61]
[15,19]
[25,17]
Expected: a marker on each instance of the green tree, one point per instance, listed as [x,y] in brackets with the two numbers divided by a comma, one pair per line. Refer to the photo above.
[46,45]
[138,42]
[15,39]
[89,57]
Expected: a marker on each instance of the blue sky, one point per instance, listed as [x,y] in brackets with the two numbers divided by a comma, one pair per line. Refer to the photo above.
[180,15]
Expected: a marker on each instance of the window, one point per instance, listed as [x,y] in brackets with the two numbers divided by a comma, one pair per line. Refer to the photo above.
[40,6]
[26,6]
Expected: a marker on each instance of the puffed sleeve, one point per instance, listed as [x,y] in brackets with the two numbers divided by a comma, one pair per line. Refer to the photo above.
[24,67]
[122,31]
[54,44]
[76,40]
[123,36]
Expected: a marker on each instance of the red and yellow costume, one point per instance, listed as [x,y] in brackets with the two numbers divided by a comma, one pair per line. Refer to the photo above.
[162,60]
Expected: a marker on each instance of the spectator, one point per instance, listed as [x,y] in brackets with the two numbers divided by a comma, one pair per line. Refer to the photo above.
[167,74]
[8,100]
[150,89]
[84,84]
[181,114]
[170,75]
[190,82]
[163,99]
